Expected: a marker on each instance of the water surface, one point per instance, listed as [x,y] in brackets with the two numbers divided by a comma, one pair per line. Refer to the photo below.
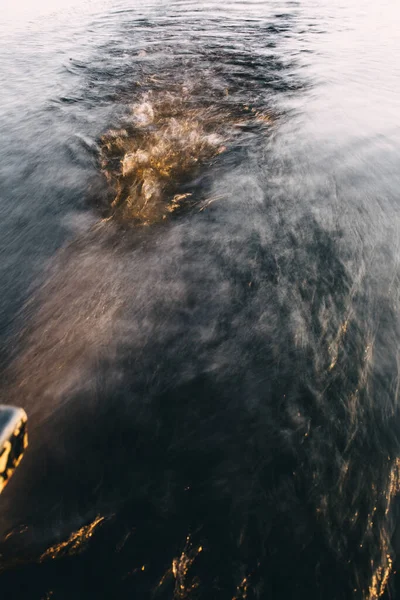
[199,265]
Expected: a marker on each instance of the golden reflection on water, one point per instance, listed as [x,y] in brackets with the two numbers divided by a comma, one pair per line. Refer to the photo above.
[167,136]
[381,572]
[380,579]
[180,570]
[76,542]
[241,590]
[377,520]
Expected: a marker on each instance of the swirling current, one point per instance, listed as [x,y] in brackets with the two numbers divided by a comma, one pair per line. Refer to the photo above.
[200,293]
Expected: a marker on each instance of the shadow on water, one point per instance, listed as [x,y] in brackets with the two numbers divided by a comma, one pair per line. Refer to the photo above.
[203,391]
[208,417]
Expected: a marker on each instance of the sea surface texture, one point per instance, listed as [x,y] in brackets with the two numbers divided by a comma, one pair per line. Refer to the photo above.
[200,299]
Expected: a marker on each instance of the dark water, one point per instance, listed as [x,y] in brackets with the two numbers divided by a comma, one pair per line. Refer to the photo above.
[213,390]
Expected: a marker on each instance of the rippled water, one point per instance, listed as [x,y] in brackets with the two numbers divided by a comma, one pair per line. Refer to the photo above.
[199,265]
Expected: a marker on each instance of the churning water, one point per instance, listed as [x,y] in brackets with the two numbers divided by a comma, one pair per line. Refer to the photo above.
[200,293]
